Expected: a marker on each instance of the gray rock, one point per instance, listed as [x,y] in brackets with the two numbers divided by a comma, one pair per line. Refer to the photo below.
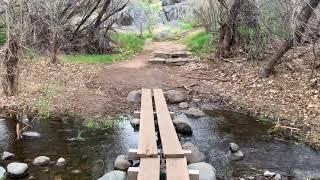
[194,113]
[114,175]
[235,156]
[7,155]
[157,61]
[122,163]
[134,96]
[206,171]
[61,162]
[182,127]
[183,105]
[162,55]
[31,134]
[277,177]
[174,96]
[41,161]
[234,147]
[135,122]
[16,169]
[2,173]
[269,174]
[176,61]
[196,156]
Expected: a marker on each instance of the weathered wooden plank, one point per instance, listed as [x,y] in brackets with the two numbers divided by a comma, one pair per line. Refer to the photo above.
[177,169]
[147,146]
[169,139]
[149,169]
[133,173]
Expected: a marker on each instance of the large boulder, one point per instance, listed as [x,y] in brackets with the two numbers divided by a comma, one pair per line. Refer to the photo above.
[134,96]
[194,113]
[41,161]
[114,175]
[122,163]
[196,156]
[182,127]
[174,96]
[16,169]
[7,155]
[2,173]
[206,171]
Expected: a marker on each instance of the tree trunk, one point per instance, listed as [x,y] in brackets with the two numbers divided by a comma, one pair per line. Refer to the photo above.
[10,64]
[227,31]
[55,48]
[303,20]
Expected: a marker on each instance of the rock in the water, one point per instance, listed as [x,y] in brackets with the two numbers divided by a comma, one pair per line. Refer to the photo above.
[194,113]
[236,156]
[17,169]
[174,96]
[183,105]
[7,155]
[122,163]
[31,134]
[269,174]
[2,173]
[41,161]
[234,147]
[114,175]
[61,162]
[277,177]
[135,122]
[206,171]
[196,156]
[134,96]
[157,61]
[182,127]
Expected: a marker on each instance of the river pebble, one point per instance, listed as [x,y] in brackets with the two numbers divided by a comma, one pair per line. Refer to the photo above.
[269,174]
[134,96]
[31,134]
[41,161]
[194,113]
[206,171]
[114,175]
[174,96]
[234,147]
[196,155]
[2,173]
[7,155]
[122,163]
[61,162]
[182,127]
[16,169]
[183,105]
[135,122]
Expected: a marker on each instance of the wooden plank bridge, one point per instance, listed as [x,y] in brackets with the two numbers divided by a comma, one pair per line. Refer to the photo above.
[154,112]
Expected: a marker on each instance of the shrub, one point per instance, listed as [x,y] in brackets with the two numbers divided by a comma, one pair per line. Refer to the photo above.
[200,42]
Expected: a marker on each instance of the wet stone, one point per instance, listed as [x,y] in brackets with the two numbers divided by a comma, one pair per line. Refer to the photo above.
[41,161]
[7,155]
[114,175]
[122,163]
[16,169]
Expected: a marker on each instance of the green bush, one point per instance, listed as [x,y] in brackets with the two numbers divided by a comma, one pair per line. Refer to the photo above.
[129,42]
[185,26]
[3,36]
[200,42]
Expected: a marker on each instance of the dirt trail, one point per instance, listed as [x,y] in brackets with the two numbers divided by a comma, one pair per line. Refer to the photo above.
[117,80]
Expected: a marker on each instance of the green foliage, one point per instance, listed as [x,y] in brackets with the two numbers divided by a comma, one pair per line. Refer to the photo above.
[3,36]
[200,42]
[128,44]
[45,101]
[91,58]
[105,123]
[185,26]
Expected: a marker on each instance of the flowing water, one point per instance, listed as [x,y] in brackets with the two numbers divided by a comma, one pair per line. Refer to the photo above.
[95,155]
